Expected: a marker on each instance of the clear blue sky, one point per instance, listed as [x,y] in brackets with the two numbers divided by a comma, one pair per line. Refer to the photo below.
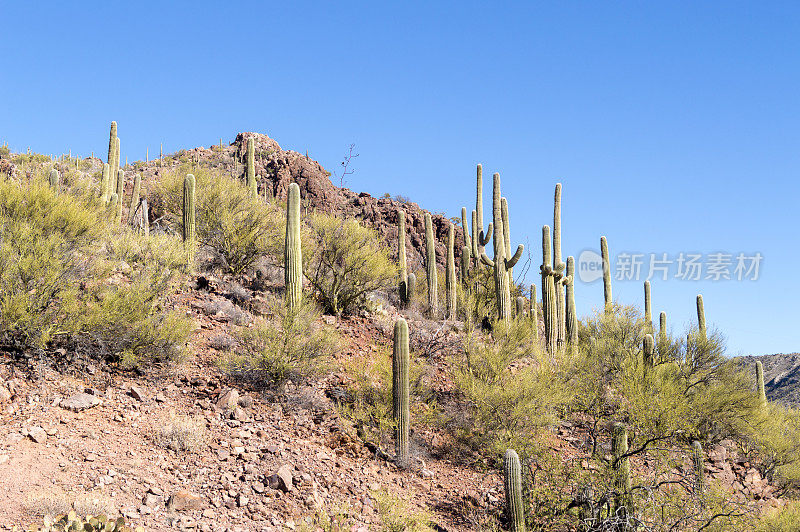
[674,126]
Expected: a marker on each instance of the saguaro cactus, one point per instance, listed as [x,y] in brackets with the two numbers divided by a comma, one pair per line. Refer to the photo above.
[412,285]
[609,307]
[762,394]
[400,393]
[506,236]
[548,294]
[699,469]
[120,193]
[115,166]
[112,148]
[450,273]
[534,314]
[479,237]
[648,350]
[251,167]
[465,227]
[512,480]
[621,464]
[648,311]
[189,218]
[430,267]
[292,254]
[571,316]
[558,268]
[401,256]
[520,307]
[105,190]
[500,263]
[701,316]
[465,258]
[137,189]
[54,178]
[662,325]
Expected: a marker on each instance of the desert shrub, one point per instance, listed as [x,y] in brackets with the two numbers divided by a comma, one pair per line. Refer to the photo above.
[72,520]
[396,515]
[64,277]
[780,519]
[289,345]
[181,434]
[345,263]
[56,501]
[511,387]
[240,228]
[773,441]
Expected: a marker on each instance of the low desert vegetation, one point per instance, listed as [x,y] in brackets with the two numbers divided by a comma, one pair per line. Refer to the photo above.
[181,434]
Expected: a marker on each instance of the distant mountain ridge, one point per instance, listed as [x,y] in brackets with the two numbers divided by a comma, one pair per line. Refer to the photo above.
[781,376]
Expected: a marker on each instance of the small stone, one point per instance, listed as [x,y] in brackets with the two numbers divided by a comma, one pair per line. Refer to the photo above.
[137,393]
[223,454]
[242,500]
[281,479]
[37,434]
[257,487]
[228,400]
[209,513]
[14,437]
[185,500]
[5,395]
[79,402]
[91,457]
[160,398]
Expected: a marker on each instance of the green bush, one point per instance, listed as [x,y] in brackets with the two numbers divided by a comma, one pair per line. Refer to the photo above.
[345,262]
[69,275]
[290,345]
[240,228]
[780,519]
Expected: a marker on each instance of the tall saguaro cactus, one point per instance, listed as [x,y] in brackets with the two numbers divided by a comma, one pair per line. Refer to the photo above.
[662,326]
[115,167]
[450,273]
[501,263]
[54,178]
[571,312]
[400,393]
[401,256]
[430,267]
[137,190]
[112,149]
[105,190]
[292,253]
[548,294]
[189,218]
[467,241]
[506,236]
[120,193]
[701,316]
[479,237]
[465,258]
[648,351]
[762,394]
[251,167]
[534,314]
[622,466]
[648,310]
[606,274]
[512,480]
[558,268]
[699,470]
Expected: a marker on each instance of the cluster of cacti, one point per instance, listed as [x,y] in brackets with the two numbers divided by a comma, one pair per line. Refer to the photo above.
[293,258]
[401,257]
[431,273]
[512,480]
[251,167]
[450,274]
[72,522]
[501,263]
[188,218]
[400,393]
[549,311]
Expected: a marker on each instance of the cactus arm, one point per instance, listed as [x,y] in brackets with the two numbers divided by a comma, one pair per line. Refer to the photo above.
[510,263]
[486,260]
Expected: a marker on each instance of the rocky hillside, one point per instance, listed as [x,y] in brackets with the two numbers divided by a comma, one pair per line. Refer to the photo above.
[781,376]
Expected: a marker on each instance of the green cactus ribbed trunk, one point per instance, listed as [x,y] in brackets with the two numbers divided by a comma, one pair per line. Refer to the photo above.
[400,392]
[401,256]
[467,241]
[431,271]
[450,274]
[115,168]
[699,468]
[622,466]
[112,204]
[548,294]
[292,254]
[120,194]
[476,256]
[412,286]
[558,268]
[571,316]
[137,190]
[701,316]
[53,177]
[609,306]
[512,480]
[189,218]
[112,149]
[662,326]
[533,313]
[145,218]
[251,167]
[465,258]
[762,394]
[480,238]
[500,262]
[648,310]
[520,307]
[507,236]
[105,191]
[648,351]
